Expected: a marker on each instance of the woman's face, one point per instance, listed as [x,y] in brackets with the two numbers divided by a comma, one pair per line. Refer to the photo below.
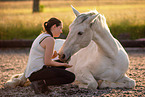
[57,30]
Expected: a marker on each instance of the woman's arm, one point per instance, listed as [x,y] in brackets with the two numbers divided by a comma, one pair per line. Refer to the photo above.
[48,45]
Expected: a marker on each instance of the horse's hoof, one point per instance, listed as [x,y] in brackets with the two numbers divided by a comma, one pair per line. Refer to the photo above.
[131,84]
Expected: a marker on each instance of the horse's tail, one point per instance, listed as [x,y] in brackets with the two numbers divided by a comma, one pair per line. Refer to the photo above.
[17,80]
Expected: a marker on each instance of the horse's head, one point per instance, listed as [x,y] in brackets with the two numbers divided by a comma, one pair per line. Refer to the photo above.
[80,34]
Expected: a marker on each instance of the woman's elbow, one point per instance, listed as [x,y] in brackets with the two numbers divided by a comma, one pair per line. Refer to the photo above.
[48,63]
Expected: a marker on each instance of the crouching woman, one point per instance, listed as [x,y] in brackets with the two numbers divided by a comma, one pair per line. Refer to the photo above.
[41,70]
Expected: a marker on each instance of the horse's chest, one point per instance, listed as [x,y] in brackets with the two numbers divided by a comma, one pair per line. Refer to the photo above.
[95,64]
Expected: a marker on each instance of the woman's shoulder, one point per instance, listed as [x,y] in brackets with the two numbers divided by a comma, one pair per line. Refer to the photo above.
[46,34]
[49,39]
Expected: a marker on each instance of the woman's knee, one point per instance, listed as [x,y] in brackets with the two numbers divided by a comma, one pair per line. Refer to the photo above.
[71,77]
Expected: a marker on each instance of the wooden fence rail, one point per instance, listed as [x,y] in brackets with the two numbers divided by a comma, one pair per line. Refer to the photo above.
[28,43]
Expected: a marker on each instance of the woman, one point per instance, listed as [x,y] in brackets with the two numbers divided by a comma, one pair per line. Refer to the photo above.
[41,70]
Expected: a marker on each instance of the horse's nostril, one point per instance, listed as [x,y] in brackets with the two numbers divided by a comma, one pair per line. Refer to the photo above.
[63,56]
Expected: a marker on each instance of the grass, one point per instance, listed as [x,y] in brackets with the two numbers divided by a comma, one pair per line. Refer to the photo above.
[123,17]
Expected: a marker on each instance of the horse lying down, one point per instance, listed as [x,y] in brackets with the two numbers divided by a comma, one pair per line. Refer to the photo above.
[98,59]
[20,79]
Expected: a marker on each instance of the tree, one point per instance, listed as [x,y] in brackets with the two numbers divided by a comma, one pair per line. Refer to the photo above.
[36,5]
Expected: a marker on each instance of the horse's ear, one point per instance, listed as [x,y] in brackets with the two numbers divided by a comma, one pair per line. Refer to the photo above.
[90,19]
[75,11]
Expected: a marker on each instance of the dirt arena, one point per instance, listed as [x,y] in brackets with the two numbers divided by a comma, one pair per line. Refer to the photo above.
[14,61]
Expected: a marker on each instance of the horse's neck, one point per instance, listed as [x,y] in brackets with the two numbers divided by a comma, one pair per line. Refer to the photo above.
[106,43]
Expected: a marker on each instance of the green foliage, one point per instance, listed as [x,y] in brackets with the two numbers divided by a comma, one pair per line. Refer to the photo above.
[133,31]
[19,31]
[41,8]
[18,22]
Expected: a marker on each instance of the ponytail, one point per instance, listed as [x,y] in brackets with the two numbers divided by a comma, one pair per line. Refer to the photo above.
[50,23]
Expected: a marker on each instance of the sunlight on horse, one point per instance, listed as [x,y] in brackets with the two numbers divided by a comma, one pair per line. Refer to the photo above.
[98,59]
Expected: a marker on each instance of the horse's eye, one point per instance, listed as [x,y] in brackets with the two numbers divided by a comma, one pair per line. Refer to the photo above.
[80,33]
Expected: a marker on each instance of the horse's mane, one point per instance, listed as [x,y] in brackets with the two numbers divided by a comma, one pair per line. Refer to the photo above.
[100,19]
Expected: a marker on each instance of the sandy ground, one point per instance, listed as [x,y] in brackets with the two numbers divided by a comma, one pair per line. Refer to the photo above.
[14,61]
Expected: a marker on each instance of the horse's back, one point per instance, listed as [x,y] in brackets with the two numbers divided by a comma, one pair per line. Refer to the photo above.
[58,44]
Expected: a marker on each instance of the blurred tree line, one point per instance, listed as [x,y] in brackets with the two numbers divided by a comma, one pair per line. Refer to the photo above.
[35,4]
[15,0]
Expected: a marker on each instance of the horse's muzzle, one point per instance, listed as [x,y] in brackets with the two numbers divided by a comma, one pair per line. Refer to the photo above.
[64,58]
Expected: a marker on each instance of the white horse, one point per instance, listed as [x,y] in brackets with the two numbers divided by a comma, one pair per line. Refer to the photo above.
[98,60]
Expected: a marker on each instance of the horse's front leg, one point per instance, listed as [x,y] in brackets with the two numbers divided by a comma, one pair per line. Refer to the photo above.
[123,82]
[85,79]
[108,84]
[129,83]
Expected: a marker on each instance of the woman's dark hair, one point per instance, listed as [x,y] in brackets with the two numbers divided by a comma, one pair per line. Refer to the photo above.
[50,23]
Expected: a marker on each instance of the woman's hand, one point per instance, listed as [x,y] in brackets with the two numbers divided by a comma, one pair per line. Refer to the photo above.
[67,65]
[54,55]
